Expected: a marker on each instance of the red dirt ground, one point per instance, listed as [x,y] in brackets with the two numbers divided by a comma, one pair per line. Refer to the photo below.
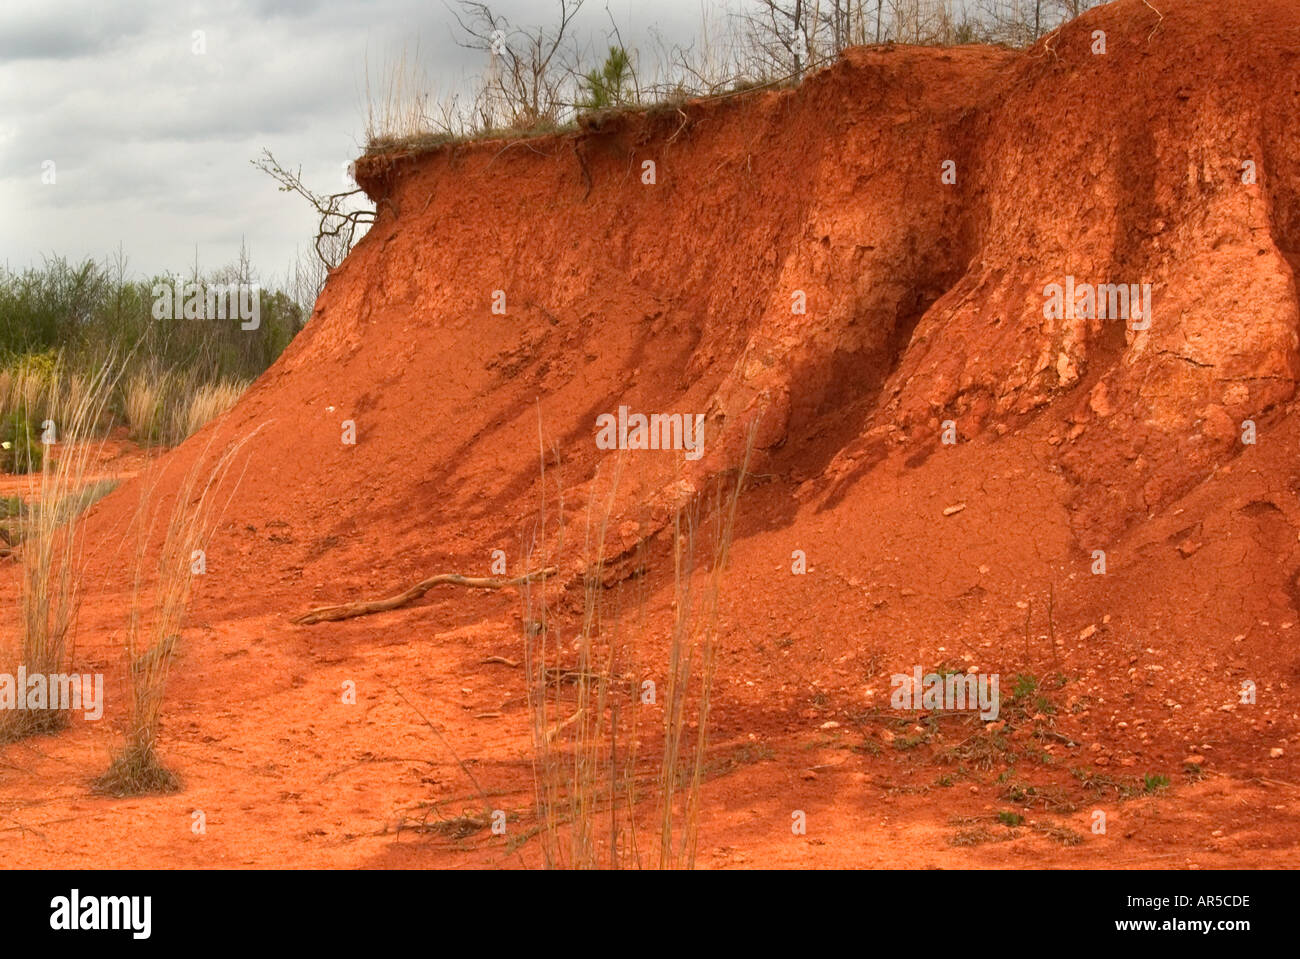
[925,304]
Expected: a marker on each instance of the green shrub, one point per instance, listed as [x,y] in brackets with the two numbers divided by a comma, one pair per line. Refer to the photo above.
[610,85]
[62,322]
[20,447]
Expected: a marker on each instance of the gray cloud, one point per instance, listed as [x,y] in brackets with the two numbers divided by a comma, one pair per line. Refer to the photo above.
[65,31]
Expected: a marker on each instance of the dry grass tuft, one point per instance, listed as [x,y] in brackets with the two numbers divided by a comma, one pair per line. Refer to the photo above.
[51,550]
[397,111]
[204,404]
[137,772]
[155,623]
[142,400]
[589,716]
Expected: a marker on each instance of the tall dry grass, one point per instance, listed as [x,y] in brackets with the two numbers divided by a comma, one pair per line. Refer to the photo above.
[570,738]
[592,776]
[167,407]
[51,553]
[22,388]
[157,614]
[401,107]
[203,404]
[693,651]
[142,397]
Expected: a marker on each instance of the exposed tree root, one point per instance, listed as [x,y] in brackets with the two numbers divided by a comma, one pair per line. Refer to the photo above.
[325,614]
[554,733]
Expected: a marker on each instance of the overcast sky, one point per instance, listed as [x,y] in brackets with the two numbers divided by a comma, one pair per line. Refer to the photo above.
[150,141]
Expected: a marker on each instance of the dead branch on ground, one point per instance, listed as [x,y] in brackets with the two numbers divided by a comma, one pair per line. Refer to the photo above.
[365,608]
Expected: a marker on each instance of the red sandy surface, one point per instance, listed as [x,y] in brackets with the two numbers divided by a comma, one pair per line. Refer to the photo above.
[924,305]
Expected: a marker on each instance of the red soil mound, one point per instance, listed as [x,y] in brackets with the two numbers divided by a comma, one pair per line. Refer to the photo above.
[924,304]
